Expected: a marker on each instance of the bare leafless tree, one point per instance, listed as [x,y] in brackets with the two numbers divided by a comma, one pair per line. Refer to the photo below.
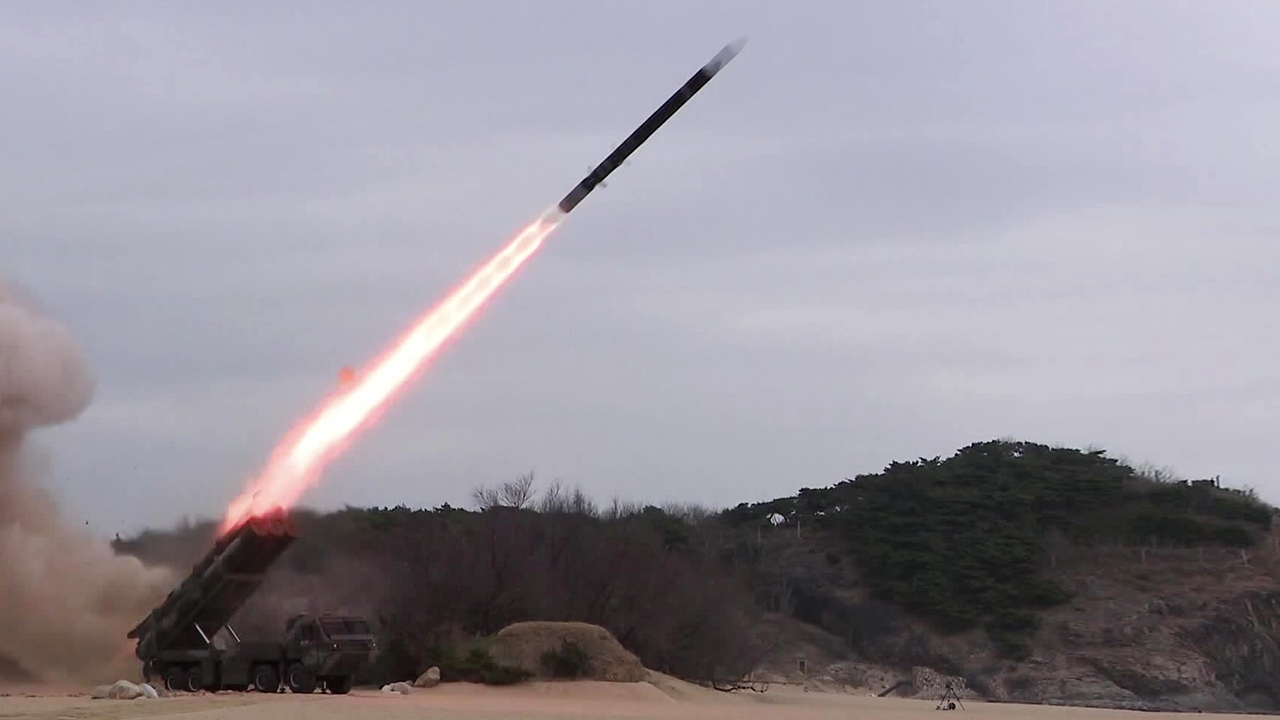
[485,497]
[692,513]
[556,499]
[512,494]
[518,492]
[581,504]
[553,499]
[1156,473]
[619,509]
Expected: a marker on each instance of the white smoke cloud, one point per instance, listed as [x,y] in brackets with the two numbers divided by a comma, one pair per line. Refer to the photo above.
[66,600]
[43,379]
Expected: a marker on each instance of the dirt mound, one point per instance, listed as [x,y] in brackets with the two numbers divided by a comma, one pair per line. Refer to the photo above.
[523,644]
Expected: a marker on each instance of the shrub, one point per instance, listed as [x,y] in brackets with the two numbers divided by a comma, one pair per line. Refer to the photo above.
[570,660]
[477,666]
[1234,536]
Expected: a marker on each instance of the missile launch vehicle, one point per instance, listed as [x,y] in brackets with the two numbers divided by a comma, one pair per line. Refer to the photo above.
[188,642]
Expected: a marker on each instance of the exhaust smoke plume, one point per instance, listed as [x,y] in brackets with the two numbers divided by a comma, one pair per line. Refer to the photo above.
[66,600]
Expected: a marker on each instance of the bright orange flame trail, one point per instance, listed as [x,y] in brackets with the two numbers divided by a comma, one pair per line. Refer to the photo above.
[297,462]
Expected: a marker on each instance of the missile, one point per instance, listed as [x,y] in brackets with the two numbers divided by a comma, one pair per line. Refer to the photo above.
[647,128]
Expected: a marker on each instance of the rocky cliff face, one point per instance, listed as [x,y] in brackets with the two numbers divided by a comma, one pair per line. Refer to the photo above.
[1241,642]
[1179,630]
[1176,633]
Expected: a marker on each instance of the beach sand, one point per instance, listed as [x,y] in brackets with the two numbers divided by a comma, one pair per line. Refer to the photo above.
[660,697]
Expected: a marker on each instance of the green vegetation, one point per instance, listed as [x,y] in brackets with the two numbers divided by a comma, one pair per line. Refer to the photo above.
[569,660]
[959,541]
[476,666]
[962,541]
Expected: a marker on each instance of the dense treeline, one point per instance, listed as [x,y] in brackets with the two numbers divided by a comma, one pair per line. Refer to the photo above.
[465,574]
[962,542]
[435,580]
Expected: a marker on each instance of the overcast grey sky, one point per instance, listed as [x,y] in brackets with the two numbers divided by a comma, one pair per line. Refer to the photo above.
[885,231]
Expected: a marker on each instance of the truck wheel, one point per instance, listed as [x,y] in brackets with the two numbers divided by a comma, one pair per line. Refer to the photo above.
[301,680]
[175,679]
[266,679]
[192,681]
[340,684]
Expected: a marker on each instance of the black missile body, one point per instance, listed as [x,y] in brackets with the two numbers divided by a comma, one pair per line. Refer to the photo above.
[647,128]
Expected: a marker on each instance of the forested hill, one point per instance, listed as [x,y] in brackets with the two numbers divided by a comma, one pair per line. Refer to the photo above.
[976,542]
[963,541]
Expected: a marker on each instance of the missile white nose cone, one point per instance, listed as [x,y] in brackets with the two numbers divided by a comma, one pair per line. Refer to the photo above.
[727,53]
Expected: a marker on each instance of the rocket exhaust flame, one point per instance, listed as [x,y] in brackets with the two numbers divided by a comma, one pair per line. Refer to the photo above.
[295,465]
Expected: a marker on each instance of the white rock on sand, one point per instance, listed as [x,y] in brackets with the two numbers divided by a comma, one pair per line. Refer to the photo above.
[403,688]
[428,679]
[123,690]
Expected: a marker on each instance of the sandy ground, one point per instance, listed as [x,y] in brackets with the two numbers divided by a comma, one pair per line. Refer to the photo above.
[661,697]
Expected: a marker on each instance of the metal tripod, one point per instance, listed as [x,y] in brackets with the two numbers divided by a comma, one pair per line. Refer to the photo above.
[949,700]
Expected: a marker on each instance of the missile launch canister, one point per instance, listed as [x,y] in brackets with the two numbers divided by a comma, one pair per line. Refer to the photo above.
[647,128]
[217,587]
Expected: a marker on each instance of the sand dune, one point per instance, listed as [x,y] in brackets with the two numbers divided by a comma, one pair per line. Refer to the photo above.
[662,697]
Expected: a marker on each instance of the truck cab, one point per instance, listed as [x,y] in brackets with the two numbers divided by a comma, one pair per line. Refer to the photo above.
[327,650]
